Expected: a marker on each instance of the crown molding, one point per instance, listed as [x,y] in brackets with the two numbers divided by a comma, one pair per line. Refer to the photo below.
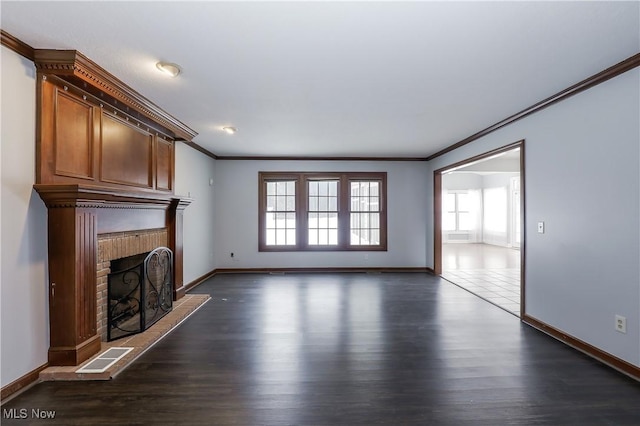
[302,158]
[18,46]
[609,73]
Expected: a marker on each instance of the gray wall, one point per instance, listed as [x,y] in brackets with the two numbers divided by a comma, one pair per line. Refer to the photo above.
[583,180]
[24,318]
[194,172]
[236,216]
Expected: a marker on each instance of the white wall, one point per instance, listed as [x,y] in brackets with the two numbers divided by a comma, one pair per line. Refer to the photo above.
[194,171]
[236,216]
[582,159]
[24,316]
[461,181]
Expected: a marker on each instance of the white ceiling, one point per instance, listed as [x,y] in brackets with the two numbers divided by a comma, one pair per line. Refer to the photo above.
[375,79]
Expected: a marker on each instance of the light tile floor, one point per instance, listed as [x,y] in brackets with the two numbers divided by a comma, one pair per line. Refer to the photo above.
[490,272]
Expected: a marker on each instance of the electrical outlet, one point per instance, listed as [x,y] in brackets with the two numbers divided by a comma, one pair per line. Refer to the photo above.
[621,324]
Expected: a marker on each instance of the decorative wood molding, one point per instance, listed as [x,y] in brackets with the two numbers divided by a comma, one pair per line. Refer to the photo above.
[584,347]
[292,158]
[193,284]
[614,71]
[21,383]
[92,196]
[18,46]
[199,148]
[328,269]
[71,63]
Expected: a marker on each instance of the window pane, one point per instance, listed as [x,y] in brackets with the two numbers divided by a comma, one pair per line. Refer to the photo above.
[271,188]
[375,236]
[271,220]
[271,237]
[271,203]
[291,203]
[495,209]
[291,188]
[291,237]
[373,189]
[313,220]
[323,237]
[449,222]
[364,237]
[313,237]
[281,188]
[280,236]
[313,204]
[450,203]
[313,188]
[333,236]
[355,220]
[355,238]
[355,204]
[463,202]
[364,189]
[281,204]
[323,188]
[375,220]
[333,220]
[333,188]
[291,220]
[333,204]
[323,222]
[322,204]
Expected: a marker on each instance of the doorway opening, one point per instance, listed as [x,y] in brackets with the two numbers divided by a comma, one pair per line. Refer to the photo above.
[479,226]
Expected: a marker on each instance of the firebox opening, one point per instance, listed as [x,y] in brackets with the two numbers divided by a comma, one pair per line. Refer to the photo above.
[139,292]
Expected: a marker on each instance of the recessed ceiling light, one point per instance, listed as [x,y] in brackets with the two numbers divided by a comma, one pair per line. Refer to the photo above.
[168,68]
[230,130]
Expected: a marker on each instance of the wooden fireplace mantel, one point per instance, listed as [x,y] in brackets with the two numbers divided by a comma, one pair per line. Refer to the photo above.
[76,215]
[105,162]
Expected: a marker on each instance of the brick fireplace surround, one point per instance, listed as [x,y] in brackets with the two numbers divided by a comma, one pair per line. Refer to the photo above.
[116,246]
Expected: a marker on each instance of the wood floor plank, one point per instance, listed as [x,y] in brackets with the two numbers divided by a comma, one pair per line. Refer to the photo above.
[346,349]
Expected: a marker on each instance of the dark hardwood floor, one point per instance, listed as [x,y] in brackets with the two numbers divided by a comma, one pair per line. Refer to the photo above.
[346,349]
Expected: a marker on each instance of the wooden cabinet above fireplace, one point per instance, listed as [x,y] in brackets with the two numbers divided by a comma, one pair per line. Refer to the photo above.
[93,129]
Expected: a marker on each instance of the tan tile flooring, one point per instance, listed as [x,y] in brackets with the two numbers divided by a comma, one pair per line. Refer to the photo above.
[140,342]
[490,272]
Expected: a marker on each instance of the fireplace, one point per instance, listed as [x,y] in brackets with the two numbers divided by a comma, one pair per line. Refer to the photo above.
[88,227]
[105,164]
[140,292]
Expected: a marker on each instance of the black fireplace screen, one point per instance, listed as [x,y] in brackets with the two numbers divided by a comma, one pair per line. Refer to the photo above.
[140,292]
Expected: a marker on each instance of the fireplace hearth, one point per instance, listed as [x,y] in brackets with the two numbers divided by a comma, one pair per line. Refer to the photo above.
[140,292]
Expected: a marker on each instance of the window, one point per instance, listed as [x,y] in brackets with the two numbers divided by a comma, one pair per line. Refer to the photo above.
[281,213]
[456,215]
[322,211]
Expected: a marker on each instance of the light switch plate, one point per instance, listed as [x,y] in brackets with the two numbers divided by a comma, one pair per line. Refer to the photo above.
[540,227]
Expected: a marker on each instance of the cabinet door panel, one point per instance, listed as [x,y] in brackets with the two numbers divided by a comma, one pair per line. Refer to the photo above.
[126,153]
[73,141]
[164,158]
